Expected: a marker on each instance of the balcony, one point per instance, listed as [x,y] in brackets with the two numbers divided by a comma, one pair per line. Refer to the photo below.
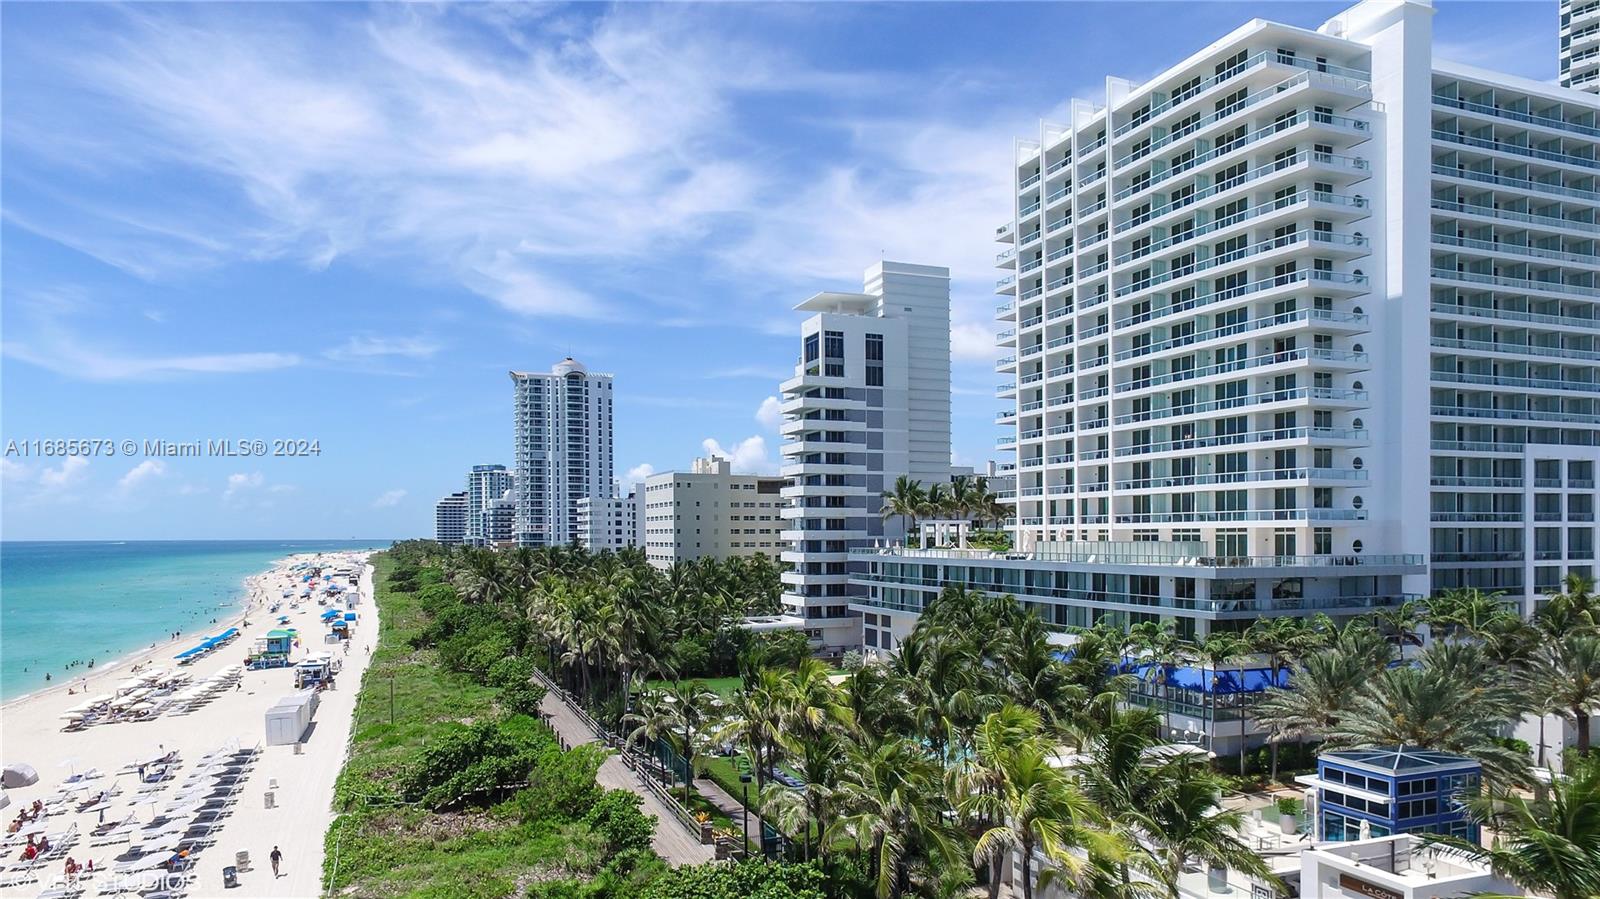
[1517,284]
[1349,436]
[1524,151]
[1516,349]
[1324,280]
[1510,216]
[1254,62]
[1515,183]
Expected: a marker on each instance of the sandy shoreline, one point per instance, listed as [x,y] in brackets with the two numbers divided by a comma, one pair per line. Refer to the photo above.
[30,732]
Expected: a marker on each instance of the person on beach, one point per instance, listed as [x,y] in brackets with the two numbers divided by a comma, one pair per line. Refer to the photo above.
[277,858]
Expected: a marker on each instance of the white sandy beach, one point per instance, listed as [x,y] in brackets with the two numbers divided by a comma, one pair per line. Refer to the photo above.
[31,732]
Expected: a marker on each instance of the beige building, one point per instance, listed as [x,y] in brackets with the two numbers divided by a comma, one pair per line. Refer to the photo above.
[709,511]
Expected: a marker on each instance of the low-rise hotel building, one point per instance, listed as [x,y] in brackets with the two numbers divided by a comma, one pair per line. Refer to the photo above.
[708,512]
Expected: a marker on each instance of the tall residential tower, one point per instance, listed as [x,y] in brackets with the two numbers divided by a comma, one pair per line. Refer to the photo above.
[1305,323]
[485,484]
[563,449]
[1580,44]
[870,401]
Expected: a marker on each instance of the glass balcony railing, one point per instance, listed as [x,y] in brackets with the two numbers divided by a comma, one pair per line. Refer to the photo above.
[1513,216]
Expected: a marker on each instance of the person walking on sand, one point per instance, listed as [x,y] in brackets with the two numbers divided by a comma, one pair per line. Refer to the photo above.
[277,859]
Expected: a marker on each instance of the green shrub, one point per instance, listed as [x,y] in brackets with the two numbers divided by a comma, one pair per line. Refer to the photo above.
[618,821]
[746,880]
[476,764]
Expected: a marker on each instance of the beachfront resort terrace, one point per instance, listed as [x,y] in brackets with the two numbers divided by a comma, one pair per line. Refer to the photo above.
[1076,584]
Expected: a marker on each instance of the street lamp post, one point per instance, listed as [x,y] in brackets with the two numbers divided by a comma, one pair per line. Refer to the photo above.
[744,787]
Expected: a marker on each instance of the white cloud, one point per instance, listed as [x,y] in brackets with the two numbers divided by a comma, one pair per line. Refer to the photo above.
[388,499]
[12,471]
[973,342]
[242,482]
[56,349]
[748,456]
[639,472]
[367,348]
[139,474]
[770,414]
[70,472]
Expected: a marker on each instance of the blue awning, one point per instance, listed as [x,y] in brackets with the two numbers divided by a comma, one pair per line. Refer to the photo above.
[1227,680]
[349,616]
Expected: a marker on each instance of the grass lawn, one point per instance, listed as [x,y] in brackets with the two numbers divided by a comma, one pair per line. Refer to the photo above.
[722,686]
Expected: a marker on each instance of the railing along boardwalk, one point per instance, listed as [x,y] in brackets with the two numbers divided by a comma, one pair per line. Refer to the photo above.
[626,769]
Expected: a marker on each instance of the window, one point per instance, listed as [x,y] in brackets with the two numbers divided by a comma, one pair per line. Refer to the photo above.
[812,345]
[874,348]
[834,344]
[874,376]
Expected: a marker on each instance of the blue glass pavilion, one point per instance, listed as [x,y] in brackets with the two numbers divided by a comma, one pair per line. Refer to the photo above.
[1393,789]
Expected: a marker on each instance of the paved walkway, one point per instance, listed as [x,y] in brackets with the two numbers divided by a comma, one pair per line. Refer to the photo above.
[731,807]
[672,841]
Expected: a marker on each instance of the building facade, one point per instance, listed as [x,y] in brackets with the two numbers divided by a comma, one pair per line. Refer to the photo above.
[710,512]
[563,449]
[450,519]
[1306,323]
[1580,45]
[485,485]
[870,401]
[607,524]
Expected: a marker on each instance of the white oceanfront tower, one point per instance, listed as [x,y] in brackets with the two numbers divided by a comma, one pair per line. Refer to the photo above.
[1580,44]
[563,449]
[1306,323]
[869,401]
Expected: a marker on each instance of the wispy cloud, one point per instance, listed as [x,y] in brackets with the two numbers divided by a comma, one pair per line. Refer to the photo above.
[388,499]
[144,472]
[365,348]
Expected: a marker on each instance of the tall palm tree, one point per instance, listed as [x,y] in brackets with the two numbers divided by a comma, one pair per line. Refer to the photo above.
[1550,845]
[905,500]
[814,721]
[1282,641]
[1566,672]
[1219,650]
[1399,625]
[1036,807]
[1417,707]
[757,722]
[1323,685]
[1576,606]
[1184,820]
[888,804]
[692,703]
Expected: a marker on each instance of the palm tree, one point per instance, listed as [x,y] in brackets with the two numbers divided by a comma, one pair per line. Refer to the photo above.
[758,721]
[1323,685]
[1466,610]
[1184,820]
[1159,646]
[1220,649]
[1549,845]
[906,500]
[1566,672]
[691,704]
[1576,606]
[1420,707]
[1399,625]
[888,805]
[1281,640]
[813,720]
[656,718]
[1036,807]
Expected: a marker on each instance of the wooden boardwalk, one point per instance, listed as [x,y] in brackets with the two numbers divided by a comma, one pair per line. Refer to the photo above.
[672,841]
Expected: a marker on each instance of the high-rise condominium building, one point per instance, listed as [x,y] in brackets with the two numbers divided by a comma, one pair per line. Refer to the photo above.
[607,524]
[563,449]
[710,512]
[485,484]
[1306,323]
[870,401]
[450,519]
[500,521]
[1580,44]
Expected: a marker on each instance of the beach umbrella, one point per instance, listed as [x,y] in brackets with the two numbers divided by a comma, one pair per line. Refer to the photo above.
[69,763]
[18,775]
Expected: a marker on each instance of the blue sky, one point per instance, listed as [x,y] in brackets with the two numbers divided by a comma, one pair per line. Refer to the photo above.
[346,223]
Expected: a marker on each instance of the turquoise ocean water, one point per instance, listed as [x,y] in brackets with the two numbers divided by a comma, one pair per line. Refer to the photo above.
[64,601]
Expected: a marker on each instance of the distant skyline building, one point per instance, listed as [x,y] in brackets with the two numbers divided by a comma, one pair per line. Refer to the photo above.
[500,521]
[563,425]
[485,484]
[710,512]
[450,519]
[869,401]
[607,524]
[1580,44]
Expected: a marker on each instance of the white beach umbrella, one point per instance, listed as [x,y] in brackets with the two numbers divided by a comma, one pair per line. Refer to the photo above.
[70,762]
